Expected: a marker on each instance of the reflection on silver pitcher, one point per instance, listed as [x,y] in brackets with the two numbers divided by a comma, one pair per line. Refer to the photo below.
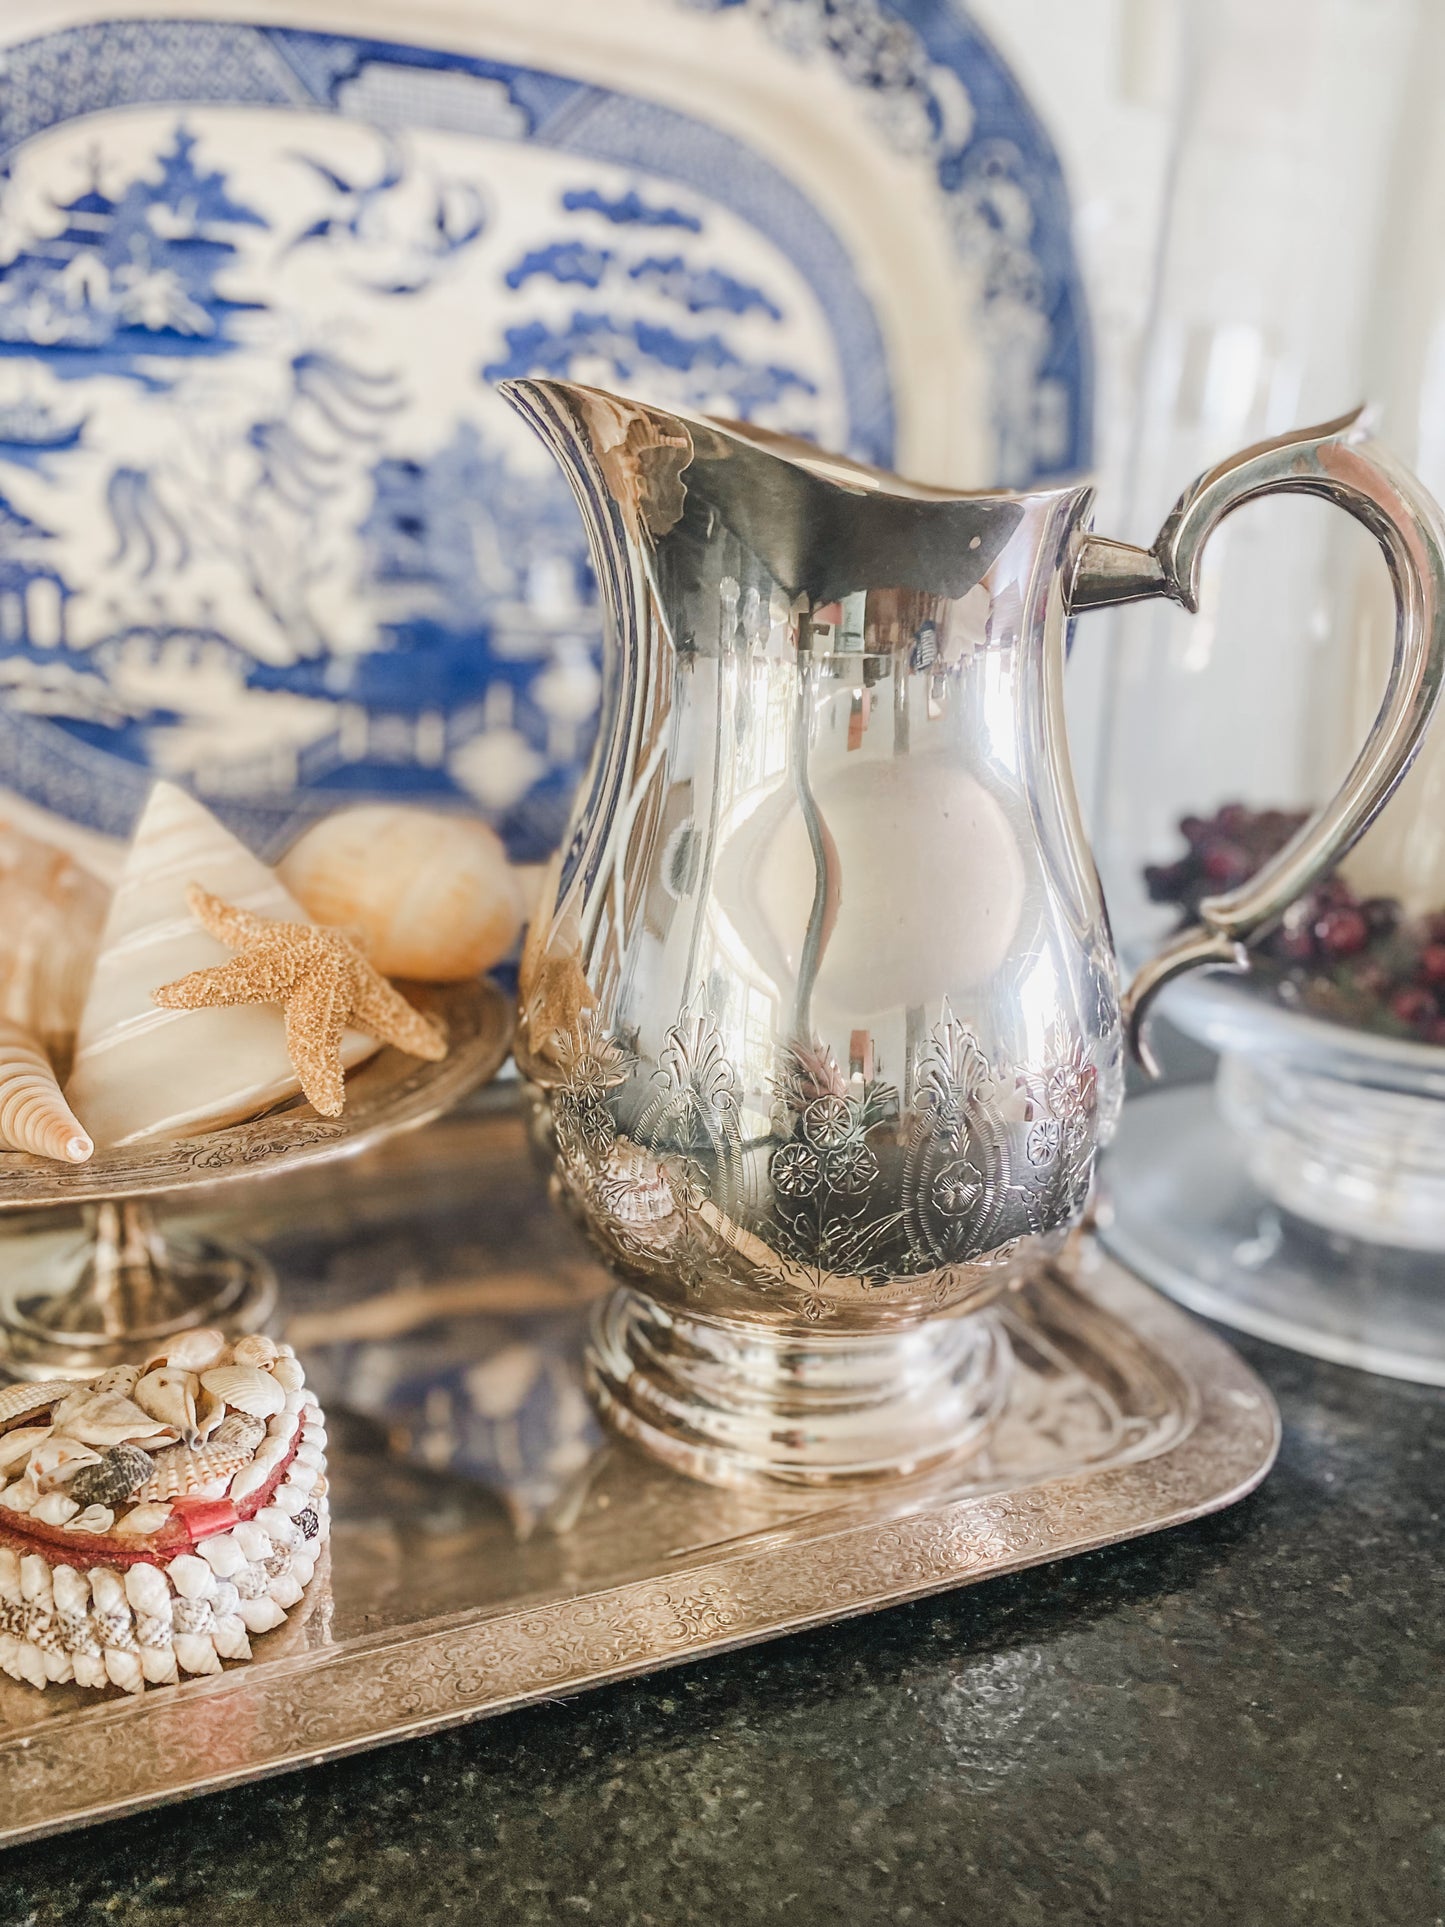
[820,1003]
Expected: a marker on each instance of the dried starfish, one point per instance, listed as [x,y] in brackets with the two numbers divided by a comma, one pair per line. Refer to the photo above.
[322,979]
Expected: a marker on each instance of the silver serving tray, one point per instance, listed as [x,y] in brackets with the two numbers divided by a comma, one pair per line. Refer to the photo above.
[449,1598]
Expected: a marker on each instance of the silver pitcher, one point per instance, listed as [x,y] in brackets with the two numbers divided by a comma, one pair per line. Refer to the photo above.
[820,1002]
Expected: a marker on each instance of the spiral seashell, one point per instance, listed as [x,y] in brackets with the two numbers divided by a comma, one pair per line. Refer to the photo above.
[169,1394]
[246,1388]
[33,1115]
[21,1402]
[431,895]
[105,1418]
[112,1478]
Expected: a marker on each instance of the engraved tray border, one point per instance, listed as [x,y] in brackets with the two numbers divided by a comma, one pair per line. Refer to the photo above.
[298,1710]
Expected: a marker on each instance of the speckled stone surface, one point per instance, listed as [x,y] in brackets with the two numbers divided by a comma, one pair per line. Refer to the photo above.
[1239,1721]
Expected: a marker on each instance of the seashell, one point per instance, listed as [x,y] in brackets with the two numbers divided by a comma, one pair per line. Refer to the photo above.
[33,1115]
[210,1410]
[95,1518]
[260,1615]
[21,1496]
[255,1349]
[120,1378]
[113,1477]
[169,1394]
[106,1418]
[53,1509]
[16,1446]
[239,1428]
[182,1469]
[194,1351]
[222,1555]
[191,1576]
[56,1458]
[142,1072]
[246,1388]
[429,895]
[142,1520]
[19,1402]
[288,1374]
[54,909]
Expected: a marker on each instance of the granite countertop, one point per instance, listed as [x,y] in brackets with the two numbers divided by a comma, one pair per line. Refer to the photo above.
[1240,1720]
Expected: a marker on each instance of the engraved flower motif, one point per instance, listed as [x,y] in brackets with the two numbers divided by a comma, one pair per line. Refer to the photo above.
[850,1169]
[828,1122]
[797,1170]
[1071,1089]
[814,1308]
[957,1188]
[687,1182]
[1044,1140]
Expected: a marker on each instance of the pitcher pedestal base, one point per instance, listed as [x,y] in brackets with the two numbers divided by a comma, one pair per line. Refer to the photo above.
[735,1404]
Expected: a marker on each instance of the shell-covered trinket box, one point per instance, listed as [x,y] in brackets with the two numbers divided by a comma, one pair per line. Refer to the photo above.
[154,1518]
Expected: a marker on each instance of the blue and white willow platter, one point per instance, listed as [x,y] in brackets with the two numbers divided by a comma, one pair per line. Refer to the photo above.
[264,526]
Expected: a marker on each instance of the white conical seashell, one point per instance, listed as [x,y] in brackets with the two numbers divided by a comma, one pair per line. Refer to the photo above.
[106,1418]
[142,1072]
[20,1496]
[192,1351]
[16,1446]
[430,895]
[255,1349]
[34,1116]
[169,1394]
[53,911]
[260,1615]
[246,1388]
[57,1458]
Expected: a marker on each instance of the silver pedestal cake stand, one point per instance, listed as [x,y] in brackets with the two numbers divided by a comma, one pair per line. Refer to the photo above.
[109,1284]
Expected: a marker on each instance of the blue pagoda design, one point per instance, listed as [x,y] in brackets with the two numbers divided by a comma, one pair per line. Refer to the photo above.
[133,273]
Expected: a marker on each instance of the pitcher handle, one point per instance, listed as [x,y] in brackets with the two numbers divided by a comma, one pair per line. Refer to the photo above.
[1340,461]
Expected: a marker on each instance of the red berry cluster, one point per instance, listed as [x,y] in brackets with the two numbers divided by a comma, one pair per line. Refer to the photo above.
[1352,958]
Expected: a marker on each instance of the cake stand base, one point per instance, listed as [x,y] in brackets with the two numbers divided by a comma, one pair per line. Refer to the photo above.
[1179,1208]
[114,1287]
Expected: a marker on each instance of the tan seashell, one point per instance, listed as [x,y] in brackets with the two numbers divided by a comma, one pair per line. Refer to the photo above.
[106,1418]
[246,1388]
[193,1351]
[430,895]
[53,911]
[182,1469]
[16,1446]
[142,1519]
[34,1116]
[169,1395]
[210,1410]
[120,1378]
[256,1349]
[21,1402]
[56,1459]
